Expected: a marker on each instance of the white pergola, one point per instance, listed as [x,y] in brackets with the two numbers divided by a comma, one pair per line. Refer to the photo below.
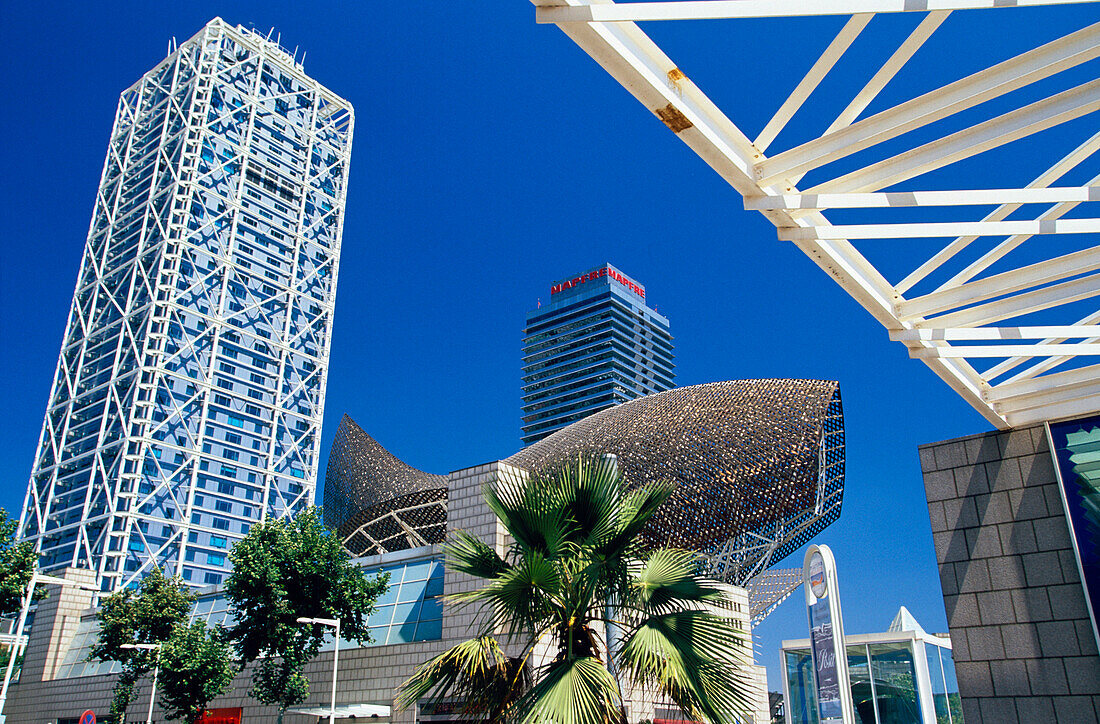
[1001,304]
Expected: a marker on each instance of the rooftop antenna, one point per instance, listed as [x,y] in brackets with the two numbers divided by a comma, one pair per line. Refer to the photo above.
[303,63]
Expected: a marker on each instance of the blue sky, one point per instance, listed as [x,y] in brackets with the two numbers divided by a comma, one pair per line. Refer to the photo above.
[492,156]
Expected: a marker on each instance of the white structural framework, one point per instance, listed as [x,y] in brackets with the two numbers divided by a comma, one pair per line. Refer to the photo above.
[188,398]
[1000,299]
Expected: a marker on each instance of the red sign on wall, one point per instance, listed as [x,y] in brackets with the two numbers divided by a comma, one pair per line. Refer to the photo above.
[220,716]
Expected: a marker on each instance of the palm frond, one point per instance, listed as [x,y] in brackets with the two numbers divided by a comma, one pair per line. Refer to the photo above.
[595,489]
[476,671]
[572,691]
[699,658]
[532,511]
[637,507]
[518,599]
[670,577]
[469,554]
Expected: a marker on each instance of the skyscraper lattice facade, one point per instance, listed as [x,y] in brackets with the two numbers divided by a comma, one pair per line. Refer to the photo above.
[597,344]
[188,399]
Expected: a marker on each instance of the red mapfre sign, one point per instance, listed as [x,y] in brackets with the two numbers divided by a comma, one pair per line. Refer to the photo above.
[220,716]
[596,274]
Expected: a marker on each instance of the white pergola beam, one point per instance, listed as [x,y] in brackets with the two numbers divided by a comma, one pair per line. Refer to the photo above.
[1006,128]
[607,32]
[992,333]
[1007,350]
[898,199]
[1005,77]
[1020,304]
[1055,172]
[727,9]
[812,79]
[1032,275]
[1040,386]
[940,229]
[889,69]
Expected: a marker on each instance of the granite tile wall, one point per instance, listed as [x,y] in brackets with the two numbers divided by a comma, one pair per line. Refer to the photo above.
[1024,645]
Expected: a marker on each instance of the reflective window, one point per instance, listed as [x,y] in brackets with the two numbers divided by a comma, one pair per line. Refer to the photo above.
[895,682]
[411,609]
[954,701]
[802,708]
[859,673]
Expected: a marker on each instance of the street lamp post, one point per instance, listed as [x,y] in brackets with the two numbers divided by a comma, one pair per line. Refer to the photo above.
[156,671]
[334,622]
[28,597]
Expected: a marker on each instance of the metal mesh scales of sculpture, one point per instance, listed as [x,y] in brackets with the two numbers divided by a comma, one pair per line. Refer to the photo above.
[377,503]
[759,465]
[759,468]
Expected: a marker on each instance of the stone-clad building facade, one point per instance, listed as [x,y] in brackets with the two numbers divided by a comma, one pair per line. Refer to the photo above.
[1024,646]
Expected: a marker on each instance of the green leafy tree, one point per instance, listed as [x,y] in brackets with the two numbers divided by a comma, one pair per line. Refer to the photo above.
[148,615]
[18,561]
[575,564]
[284,570]
[196,665]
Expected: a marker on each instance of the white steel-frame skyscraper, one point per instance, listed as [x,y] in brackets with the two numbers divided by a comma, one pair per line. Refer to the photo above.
[188,398]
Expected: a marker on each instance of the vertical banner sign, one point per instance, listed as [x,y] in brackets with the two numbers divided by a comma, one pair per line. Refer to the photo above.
[834,692]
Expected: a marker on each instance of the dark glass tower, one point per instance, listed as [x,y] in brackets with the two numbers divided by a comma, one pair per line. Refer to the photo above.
[595,345]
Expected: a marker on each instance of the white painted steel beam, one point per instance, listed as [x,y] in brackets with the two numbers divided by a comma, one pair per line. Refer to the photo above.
[944,228]
[1007,350]
[954,322]
[729,9]
[1052,174]
[901,199]
[812,79]
[1012,126]
[989,333]
[993,82]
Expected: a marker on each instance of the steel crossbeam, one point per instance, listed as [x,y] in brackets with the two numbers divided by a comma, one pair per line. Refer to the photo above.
[973,328]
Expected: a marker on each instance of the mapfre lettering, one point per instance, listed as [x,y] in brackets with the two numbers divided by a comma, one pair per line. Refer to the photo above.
[601,272]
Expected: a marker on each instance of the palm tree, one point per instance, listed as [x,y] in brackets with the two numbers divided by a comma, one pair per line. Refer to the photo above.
[575,567]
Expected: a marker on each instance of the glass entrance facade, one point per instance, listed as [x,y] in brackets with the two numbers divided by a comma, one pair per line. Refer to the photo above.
[899,681]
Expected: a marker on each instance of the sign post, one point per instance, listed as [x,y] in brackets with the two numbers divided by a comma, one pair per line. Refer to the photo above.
[833,688]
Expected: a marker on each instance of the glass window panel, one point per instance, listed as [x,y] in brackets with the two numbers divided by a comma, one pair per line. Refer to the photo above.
[403,612]
[802,708]
[418,571]
[390,596]
[859,671]
[429,630]
[954,703]
[939,689]
[895,683]
[381,616]
[435,584]
[411,591]
[401,634]
[432,608]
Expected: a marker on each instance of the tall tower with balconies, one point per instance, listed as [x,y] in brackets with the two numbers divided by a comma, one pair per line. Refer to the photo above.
[188,398]
[597,344]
